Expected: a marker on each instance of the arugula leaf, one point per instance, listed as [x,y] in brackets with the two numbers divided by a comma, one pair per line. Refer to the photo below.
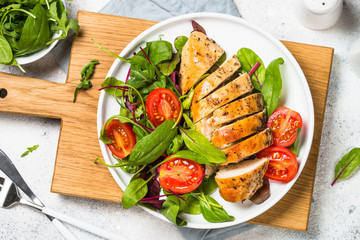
[198,143]
[212,211]
[86,74]
[179,43]
[272,86]
[295,146]
[248,59]
[135,191]
[29,150]
[347,164]
[168,66]
[151,147]
[176,144]
[6,55]
[35,34]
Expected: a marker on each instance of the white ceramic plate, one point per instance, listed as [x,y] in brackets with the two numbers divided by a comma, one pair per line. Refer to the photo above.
[231,33]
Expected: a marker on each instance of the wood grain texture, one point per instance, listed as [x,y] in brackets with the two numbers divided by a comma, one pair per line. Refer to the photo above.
[75,172]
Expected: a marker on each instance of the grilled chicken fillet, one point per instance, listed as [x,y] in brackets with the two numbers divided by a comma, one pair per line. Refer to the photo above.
[216,78]
[248,147]
[220,97]
[239,182]
[239,129]
[198,55]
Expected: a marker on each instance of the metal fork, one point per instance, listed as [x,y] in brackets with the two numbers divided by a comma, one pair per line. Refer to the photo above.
[10,196]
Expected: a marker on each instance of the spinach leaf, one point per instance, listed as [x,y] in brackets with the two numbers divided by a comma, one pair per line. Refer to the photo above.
[142,77]
[295,146]
[135,191]
[272,87]
[168,66]
[170,209]
[248,59]
[35,34]
[187,154]
[208,185]
[6,55]
[111,81]
[159,51]
[29,150]
[151,147]
[347,164]
[198,143]
[157,84]
[212,211]
[176,144]
[179,43]
[191,205]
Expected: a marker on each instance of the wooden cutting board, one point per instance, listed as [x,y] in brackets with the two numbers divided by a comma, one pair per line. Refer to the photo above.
[75,172]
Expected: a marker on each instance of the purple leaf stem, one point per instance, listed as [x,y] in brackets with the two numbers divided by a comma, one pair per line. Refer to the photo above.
[252,71]
[119,87]
[156,197]
[173,79]
[145,54]
[134,119]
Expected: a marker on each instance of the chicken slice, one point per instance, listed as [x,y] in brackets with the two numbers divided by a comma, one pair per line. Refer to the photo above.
[248,147]
[199,54]
[204,127]
[239,129]
[216,78]
[237,109]
[239,182]
[220,97]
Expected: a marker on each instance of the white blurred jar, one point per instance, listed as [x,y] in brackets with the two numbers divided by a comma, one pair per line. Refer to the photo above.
[318,14]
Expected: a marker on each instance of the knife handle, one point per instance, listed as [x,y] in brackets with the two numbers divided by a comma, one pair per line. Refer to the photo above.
[85,226]
[63,230]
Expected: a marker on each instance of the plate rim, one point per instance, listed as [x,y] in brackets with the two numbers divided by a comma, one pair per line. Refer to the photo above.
[284,50]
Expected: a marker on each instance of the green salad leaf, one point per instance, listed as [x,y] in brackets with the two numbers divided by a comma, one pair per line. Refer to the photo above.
[134,192]
[179,43]
[347,164]
[212,211]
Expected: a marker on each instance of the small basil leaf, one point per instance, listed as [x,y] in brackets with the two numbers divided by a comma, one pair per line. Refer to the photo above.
[151,147]
[211,212]
[347,164]
[199,144]
[272,87]
[135,191]
[248,59]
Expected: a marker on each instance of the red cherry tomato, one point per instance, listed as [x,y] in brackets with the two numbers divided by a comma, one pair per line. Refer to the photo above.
[283,163]
[162,104]
[284,123]
[122,137]
[180,175]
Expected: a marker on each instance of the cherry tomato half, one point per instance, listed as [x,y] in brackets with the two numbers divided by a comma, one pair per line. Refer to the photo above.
[180,175]
[284,123]
[122,137]
[283,163]
[162,104]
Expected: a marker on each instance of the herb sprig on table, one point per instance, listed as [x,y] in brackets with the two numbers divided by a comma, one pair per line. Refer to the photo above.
[28,26]
[86,73]
[29,150]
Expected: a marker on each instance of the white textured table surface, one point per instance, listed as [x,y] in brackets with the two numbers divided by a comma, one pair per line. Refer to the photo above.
[335,212]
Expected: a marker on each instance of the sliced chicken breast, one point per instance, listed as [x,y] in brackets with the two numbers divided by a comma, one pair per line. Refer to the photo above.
[239,129]
[198,55]
[220,97]
[239,182]
[248,147]
[205,128]
[237,109]
[216,78]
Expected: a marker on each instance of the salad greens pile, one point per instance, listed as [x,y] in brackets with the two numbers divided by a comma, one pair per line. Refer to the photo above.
[156,66]
[27,26]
